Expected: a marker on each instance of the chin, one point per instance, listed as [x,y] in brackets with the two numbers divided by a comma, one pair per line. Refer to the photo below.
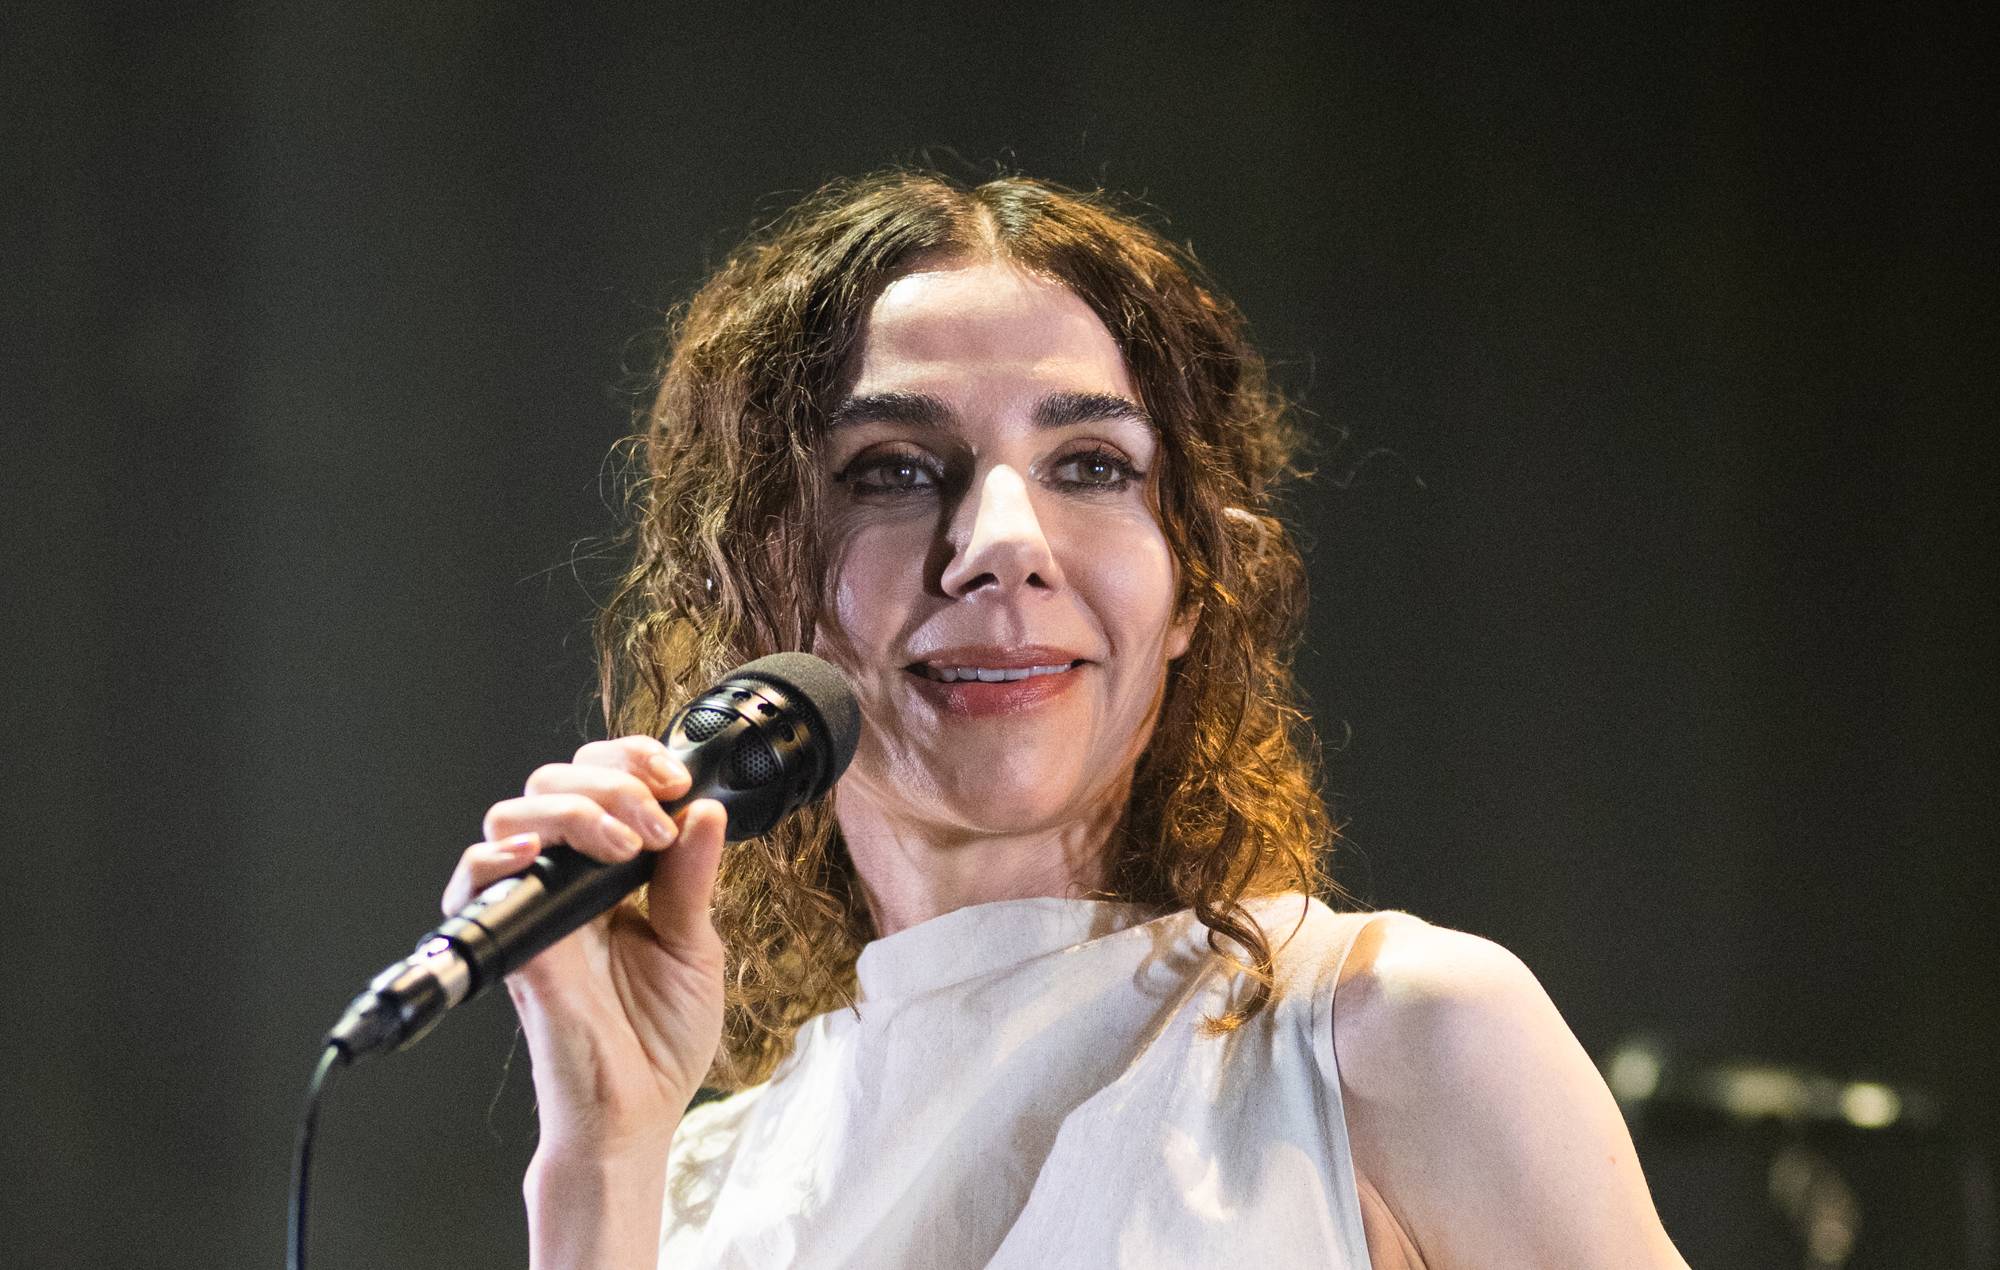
[983,788]
[1018,802]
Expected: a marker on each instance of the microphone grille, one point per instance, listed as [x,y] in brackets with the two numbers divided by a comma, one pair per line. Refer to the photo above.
[826,691]
[704,722]
[751,763]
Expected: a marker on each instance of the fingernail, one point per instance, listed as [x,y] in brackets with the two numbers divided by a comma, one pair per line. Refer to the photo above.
[621,834]
[661,829]
[663,768]
[520,844]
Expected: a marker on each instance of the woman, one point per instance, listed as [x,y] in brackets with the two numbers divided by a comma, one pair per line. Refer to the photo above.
[1041,985]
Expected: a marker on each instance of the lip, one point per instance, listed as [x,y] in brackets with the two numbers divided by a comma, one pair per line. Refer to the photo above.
[972,697]
[998,656]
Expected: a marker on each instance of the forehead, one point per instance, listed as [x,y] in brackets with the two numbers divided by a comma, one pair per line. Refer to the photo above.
[980,326]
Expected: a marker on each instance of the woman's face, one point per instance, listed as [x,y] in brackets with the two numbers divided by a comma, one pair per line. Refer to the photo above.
[1003,593]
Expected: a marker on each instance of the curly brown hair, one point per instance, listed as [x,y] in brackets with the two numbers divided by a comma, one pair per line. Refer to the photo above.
[728,565]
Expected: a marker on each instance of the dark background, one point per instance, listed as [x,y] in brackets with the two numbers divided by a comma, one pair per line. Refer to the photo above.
[1647,349]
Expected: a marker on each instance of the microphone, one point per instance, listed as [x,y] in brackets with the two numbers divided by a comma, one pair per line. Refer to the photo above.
[770,736]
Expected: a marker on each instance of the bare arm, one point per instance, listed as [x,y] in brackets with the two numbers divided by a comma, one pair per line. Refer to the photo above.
[590,1210]
[622,1017]
[1478,1123]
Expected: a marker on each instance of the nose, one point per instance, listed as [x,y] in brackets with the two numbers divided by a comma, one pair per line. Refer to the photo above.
[1004,546]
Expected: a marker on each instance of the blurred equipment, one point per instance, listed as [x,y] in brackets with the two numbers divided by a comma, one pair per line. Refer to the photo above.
[1758,1164]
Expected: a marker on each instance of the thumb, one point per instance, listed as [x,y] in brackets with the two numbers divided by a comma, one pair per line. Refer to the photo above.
[683,882]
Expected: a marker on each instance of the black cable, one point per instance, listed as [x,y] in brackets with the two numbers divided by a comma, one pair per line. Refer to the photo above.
[302,1163]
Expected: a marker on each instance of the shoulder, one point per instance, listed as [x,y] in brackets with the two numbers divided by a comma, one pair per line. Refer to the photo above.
[1475,1115]
[1420,1011]
[1407,988]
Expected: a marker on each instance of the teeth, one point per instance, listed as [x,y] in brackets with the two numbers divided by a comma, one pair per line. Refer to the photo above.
[987,675]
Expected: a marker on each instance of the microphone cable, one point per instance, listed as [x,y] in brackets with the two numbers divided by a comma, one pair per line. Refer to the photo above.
[332,1057]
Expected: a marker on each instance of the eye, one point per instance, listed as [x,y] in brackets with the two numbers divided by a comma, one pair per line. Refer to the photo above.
[1099,468]
[891,472]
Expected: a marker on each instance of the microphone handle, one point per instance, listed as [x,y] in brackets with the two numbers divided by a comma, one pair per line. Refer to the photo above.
[503,928]
[500,931]
[514,919]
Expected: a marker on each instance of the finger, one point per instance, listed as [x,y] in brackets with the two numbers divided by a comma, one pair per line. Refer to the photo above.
[677,900]
[615,790]
[643,757]
[484,863]
[576,819]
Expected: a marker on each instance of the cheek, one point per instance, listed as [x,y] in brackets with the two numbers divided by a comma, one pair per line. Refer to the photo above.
[1131,576]
[869,612]
[877,581]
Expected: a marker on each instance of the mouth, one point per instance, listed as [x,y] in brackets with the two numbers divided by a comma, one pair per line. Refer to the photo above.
[989,674]
[989,680]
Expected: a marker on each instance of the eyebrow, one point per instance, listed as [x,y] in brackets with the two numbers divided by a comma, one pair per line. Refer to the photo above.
[921,410]
[1061,409]
[918,410]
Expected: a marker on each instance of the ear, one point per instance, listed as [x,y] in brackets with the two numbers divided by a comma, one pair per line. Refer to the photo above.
[1182,631]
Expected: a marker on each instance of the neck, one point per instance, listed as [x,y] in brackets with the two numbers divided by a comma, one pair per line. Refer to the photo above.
[912,871]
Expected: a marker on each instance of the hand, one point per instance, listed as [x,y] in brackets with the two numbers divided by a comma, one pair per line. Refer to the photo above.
[623,1016]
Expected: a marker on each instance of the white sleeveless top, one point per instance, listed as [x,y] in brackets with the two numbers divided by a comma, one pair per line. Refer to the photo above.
[1025,1084]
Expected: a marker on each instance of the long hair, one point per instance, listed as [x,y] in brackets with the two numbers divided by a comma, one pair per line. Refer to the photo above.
[727,565]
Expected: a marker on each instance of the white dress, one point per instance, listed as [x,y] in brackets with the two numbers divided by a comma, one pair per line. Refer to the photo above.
[1026,1084]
